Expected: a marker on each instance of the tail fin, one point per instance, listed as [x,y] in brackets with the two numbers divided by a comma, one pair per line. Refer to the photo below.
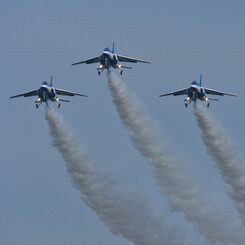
[113,46]
[200,84]
[51,81]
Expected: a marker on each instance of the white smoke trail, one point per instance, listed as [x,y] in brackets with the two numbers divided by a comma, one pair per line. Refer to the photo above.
[185,194]
[229,162]
[124,213]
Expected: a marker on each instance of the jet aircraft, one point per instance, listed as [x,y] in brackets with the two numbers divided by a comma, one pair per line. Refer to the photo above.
[196,91]
[48,92]
[109,59]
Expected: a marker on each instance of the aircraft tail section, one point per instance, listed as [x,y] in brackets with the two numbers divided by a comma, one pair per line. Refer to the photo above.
[64,100]
[51,81]
[213,99]
[127,67]
[113,47]
[200,83]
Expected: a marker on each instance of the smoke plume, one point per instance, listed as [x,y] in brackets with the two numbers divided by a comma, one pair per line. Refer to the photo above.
[124,213]
[229,162]
[185,194]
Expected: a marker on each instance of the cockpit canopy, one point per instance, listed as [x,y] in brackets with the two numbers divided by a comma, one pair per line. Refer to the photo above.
[107,49]
[194,83]
[44,83]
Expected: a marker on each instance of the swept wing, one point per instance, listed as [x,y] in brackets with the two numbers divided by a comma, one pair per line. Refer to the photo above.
[216,92]
[68,93]
[27,94]
[132,60]
[175,93]
[89,61]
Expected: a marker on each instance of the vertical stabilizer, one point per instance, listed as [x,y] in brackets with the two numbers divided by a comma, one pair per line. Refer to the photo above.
[51,81]
[200,84]
[113,46]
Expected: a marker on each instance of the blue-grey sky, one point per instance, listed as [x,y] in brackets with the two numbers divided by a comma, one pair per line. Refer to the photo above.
[38,38]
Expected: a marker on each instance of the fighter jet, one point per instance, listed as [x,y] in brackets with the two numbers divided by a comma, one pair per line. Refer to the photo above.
[48,92]
[196,91]
[109,59]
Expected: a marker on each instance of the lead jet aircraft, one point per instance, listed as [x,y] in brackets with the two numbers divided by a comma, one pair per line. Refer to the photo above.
[109,59]
[48,92]
[196,91]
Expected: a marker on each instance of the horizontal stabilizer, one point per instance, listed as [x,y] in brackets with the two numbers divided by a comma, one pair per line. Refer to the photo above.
[64,100]
[127,67]
[213,99]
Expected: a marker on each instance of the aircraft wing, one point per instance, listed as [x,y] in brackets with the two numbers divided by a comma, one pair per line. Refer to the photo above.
[175,93]
[89,61]
[27,94]
[216,92]
[132,60]
[68,93]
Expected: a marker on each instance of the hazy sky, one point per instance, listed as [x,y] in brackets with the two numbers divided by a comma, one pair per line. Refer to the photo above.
[182,39]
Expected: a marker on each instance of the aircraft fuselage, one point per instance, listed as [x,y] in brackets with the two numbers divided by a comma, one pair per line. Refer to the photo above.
[196,92]
[46,93]
[108,59]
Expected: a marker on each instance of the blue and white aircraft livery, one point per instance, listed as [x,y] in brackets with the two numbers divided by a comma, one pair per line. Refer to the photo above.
[48,92]
[109,59]
[196,91]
